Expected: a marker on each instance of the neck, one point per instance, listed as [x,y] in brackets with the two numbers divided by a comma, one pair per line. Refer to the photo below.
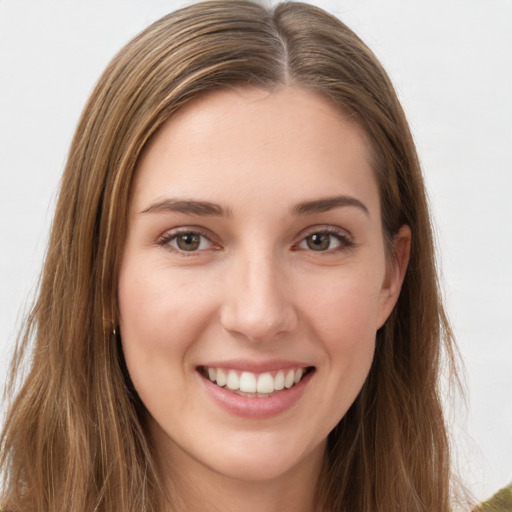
[200,488]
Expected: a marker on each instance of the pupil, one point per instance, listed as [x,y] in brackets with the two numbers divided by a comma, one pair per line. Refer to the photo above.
[318,242]
[188,242]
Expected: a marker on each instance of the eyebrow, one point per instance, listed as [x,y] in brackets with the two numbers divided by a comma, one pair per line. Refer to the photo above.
[328,203]
[206,208]
[191,207]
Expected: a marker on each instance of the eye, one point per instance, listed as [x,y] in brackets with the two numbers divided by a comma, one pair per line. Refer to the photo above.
[325,240]
[186,241]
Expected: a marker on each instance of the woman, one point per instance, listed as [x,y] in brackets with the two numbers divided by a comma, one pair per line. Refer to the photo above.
[239,307]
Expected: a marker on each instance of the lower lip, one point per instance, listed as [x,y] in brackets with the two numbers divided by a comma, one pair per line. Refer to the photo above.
[257,408]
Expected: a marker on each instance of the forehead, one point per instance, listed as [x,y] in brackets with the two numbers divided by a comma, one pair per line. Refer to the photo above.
[286,144]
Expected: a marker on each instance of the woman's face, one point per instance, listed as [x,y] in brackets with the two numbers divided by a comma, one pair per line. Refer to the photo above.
[253,280]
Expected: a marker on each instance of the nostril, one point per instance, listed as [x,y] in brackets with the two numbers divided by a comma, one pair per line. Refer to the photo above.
[258,324]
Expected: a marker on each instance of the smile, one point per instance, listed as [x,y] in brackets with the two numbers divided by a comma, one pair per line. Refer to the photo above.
[254,385]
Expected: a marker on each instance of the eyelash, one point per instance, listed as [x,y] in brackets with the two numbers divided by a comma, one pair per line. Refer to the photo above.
[165,240]
[344,241]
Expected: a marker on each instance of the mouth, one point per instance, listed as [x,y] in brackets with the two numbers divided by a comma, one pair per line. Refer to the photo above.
[255,385]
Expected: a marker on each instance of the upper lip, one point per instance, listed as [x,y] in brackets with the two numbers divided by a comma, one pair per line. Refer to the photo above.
[255,366]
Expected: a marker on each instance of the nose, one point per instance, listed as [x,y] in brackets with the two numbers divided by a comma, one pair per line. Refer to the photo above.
[257,300]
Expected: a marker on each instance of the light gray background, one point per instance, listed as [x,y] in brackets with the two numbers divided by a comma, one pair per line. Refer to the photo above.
[451,61]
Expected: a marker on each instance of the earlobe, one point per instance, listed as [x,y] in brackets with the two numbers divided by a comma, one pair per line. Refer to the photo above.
[395,273]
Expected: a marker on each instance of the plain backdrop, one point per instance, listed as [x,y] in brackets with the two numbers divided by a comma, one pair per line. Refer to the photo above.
[451,61]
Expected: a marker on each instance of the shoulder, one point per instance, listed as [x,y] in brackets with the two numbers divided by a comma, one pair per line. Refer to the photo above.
[500,502]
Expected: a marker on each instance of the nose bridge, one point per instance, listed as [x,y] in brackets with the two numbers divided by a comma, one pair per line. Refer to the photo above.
[257,304]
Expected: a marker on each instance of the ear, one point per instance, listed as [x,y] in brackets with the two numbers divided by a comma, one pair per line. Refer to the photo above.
[395,274]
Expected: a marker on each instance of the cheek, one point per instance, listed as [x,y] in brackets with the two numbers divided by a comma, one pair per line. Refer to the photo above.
[157,306]
[155,330]
[345,318]
[344,326]
[161,316]
[349,339]
[345,307]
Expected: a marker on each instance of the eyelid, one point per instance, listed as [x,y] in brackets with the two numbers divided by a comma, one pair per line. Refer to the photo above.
[325,228]
[171,234]
[344,237]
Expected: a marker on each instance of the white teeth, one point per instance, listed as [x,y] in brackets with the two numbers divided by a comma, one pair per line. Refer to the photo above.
[221,377]
[279,382]
[233,381]
[248,382]
[288,380]
[265,383]
[252,384]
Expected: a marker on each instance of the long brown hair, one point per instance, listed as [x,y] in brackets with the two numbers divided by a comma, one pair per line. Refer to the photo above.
[75,437]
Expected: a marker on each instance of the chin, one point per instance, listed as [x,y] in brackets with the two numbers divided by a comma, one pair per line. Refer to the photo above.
[254,469]
[258,461]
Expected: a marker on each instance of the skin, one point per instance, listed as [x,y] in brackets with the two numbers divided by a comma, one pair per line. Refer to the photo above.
[254,289]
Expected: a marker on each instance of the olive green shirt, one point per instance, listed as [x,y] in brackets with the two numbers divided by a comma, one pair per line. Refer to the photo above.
[500,502]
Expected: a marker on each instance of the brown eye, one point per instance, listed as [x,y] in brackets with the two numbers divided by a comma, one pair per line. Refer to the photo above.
[325,241]
[188,241]
[319,241]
